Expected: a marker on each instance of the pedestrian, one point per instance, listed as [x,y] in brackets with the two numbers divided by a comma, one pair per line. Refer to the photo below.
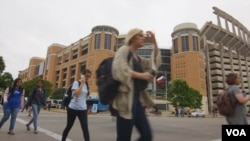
[134,76]
[176,111]
[13,102]
[24,107]
[214,111]
[189,112]
[156,111]
[49,105]
[78,106]
[37,98]
[239,116]
[179,112]
[29,111]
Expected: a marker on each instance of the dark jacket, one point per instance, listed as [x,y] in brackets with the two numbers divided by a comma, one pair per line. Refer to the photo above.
[37,97]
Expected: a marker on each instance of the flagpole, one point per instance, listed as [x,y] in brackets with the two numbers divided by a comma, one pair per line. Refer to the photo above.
[154,88]
[166,83]
[154,80]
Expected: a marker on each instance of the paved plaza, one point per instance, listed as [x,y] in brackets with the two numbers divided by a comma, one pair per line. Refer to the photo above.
[102,128]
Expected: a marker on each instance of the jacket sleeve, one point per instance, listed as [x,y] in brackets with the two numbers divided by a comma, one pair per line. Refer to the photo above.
[31,95]
[44,98]
[22,98]
[121,69]
[6,95]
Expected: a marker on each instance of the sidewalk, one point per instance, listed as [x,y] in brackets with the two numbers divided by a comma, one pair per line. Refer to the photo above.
[163,114]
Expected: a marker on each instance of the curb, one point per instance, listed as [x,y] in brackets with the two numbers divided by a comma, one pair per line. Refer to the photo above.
[148,114]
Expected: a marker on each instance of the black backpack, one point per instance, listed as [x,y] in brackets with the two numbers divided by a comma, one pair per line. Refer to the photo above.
[107,86]
[67,98]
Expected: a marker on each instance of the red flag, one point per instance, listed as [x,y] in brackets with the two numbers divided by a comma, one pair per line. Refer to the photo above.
[160,80]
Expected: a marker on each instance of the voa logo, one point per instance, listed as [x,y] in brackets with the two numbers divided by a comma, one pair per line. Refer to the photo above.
[236,132]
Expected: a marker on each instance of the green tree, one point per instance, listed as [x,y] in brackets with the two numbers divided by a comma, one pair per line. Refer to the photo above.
[180,94]
[58,93]
[29,85]
[177,93]
[6,80]
[194,99]
[2,65]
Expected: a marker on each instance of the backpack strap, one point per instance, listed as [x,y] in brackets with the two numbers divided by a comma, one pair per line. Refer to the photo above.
[87,84]
[227,89]
[130,55]
[79,83]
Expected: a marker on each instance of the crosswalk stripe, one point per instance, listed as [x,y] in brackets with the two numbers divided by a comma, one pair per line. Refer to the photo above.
[45,131]
[216,140]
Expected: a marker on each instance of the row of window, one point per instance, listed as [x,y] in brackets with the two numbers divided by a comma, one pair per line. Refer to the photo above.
[105,29]
[84,48]
[66,57]
[107,41]
[185,44]
[185,31]
[71,71]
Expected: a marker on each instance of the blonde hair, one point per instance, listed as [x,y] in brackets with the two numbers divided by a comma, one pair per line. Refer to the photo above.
[131,34]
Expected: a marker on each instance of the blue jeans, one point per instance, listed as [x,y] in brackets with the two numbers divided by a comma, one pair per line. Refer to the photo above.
[124,126]
[7,113]
[36,111]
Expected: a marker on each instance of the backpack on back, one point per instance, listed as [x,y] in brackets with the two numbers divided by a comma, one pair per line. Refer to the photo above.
[68,96]
[224,104]
[107,86]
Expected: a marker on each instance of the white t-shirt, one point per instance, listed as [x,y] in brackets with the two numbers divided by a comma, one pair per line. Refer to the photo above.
[79,102]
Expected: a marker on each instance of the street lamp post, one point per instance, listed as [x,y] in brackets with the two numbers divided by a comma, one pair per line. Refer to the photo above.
[166,83]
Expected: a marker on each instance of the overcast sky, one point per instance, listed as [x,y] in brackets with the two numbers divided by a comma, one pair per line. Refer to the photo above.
[28,27]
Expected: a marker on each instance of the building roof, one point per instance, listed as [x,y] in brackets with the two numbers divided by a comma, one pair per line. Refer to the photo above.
[233,35]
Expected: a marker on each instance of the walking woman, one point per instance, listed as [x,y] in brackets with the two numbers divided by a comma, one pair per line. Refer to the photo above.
[134,76]
[37,98]
[239,116]
[13,102]
[78,107]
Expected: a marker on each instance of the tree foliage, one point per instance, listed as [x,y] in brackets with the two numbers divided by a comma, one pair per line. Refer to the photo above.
[2,65]
[58,93]
[180,94]
[6,78]
[31,84]
[194,99]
